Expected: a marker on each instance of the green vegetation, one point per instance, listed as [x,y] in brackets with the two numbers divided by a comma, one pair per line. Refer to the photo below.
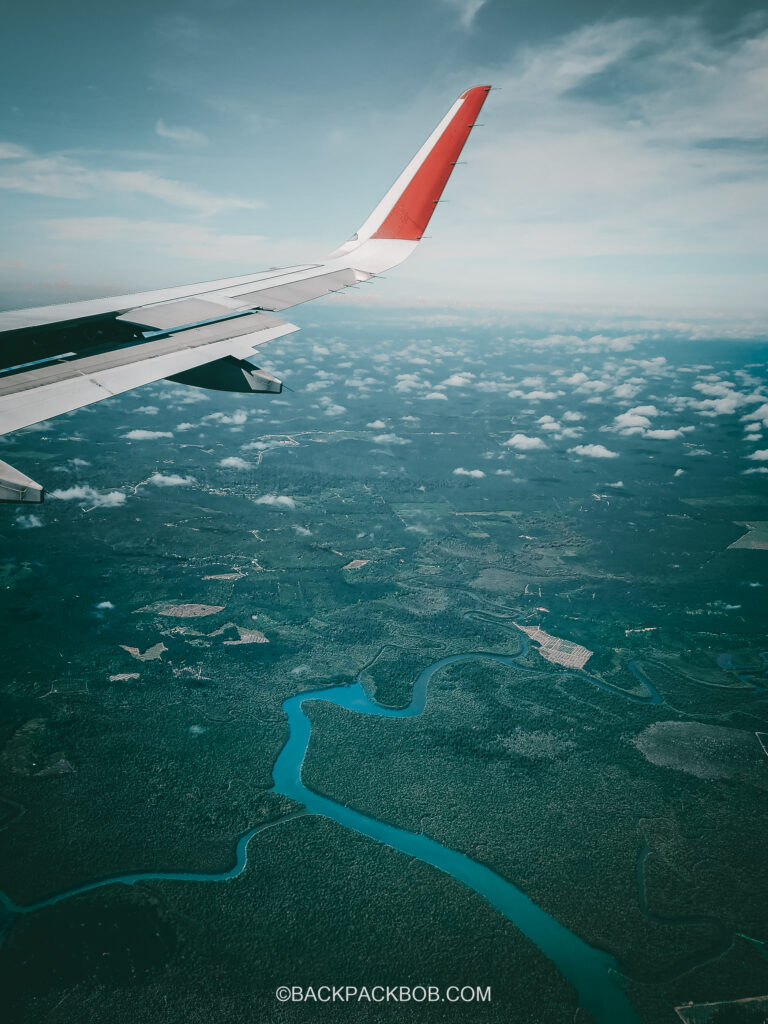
[574,785]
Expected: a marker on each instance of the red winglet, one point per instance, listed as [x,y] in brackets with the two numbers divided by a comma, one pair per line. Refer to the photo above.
[410,215]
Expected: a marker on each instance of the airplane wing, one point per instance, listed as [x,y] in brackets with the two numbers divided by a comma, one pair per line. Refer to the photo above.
[60,358]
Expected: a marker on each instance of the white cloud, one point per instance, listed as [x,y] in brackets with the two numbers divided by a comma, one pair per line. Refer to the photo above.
[88,494]
[625,390]
[664,435]
[12,151]
[458,380]
[61,176]
[170,480]
[390,439]
[637,171]
[377,425]
[593,451]
[644,410]
[761,413]
[28,522]
[541,396]
[466,9]
[410,382]
[236,418]
[549,423]
[761,455]
[234,462]
[183,241]
[476,474]
[104,606]
[186,136]
[524,443]
[276,500]
[146,435]
[436,396]
[630,423]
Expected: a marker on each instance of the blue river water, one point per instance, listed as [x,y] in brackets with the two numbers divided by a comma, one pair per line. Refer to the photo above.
[594,974]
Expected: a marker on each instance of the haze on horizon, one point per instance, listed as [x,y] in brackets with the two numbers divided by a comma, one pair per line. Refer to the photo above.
[621,168]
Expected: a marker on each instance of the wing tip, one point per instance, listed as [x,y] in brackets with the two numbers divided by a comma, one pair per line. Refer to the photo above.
[475,89]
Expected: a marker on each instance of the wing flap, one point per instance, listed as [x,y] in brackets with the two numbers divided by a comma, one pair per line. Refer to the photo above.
[169,315]
[71,384]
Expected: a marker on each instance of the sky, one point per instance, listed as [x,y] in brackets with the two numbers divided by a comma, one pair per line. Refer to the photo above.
[620,166]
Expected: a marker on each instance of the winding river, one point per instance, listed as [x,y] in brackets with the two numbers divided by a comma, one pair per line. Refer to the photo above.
[594,974]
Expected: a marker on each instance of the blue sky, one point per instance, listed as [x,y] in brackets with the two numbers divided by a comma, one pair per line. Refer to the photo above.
[622,166]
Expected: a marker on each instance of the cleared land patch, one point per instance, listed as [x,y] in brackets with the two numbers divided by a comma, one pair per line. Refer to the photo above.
[755,538]
[560,652]
[706,751]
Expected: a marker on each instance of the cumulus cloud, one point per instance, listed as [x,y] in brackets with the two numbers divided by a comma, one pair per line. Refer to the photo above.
[630,423]
[436,396]
[625,390]
[170,480]
[593,451]
[236,418]
[548,423]
[390,439]
[410,382]
[537,395]
[234,462]
[761,455]
[476,474]
[524,443]
[665,435]
[377,425]
[146,435]
[458,380]
[28,522]
[88,494]
[645,410]
[757,416]
[276,501]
